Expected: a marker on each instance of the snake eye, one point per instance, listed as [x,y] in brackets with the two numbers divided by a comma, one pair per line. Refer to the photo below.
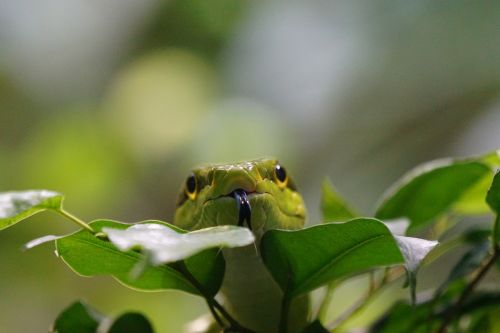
[191,186]
[280,175]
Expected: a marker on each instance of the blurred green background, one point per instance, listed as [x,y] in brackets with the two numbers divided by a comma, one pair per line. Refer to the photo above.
[111,102]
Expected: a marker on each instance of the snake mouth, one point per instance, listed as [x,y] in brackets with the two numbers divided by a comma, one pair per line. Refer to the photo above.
[243,206]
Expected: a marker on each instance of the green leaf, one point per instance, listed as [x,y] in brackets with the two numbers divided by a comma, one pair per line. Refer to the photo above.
[404,318]
[89,255]
[167,245]
[481,301]
[17,206]
[315,327]
[131,322]
[302,260]
[468,263]
[493,200]
[493,195]
[414,250]
[333,206]
[208,268]
[427,317]
[430,190]
[77,318]
[472,200]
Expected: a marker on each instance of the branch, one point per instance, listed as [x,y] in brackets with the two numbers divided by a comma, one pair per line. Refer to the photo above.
[468,290]
[365,300]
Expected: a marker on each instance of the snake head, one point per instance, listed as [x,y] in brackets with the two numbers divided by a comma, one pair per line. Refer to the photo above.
[259,194]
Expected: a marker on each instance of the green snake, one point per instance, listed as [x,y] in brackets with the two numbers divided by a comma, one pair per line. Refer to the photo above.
[260,195]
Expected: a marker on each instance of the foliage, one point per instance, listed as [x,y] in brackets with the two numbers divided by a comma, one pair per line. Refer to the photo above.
[81,318]
[155,255]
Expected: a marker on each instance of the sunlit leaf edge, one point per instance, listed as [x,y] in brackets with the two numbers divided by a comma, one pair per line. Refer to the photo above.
[424,169]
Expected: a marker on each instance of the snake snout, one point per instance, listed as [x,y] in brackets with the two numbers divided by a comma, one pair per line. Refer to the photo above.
[244,208]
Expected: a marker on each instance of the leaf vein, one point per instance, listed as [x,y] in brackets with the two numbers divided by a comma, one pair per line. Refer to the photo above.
[327,266]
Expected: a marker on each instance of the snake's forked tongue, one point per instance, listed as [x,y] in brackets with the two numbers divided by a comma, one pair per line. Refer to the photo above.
[244,209]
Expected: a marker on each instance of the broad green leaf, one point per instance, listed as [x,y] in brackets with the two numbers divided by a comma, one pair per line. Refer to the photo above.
[208,268]
[493,195]
[167,245]
[414,250]
[302,260]
[89,255]
[17,206]
[472,201]
[77,318]
[430,190]
[131,322]
[333,206]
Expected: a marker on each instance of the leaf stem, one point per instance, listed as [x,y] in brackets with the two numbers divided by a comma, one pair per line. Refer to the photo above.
[211,301]
[214,313]
[364,301]
[285,309]
[75,219]
[386,280]
[325,304]
[496,232]
[469,289]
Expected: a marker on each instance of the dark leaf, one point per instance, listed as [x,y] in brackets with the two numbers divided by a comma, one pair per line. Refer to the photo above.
[493,200]
[131,322]
[403,318]
[315,327]
[469,262]
[77,318]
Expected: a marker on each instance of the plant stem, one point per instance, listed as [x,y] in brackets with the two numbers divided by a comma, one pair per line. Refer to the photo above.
[285,309]
[75,219]
[364,301]
[386,280]
[325,304]
[211,301]
[468,290]
[373,284]
[496,232]
[353,310]
[216,316]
